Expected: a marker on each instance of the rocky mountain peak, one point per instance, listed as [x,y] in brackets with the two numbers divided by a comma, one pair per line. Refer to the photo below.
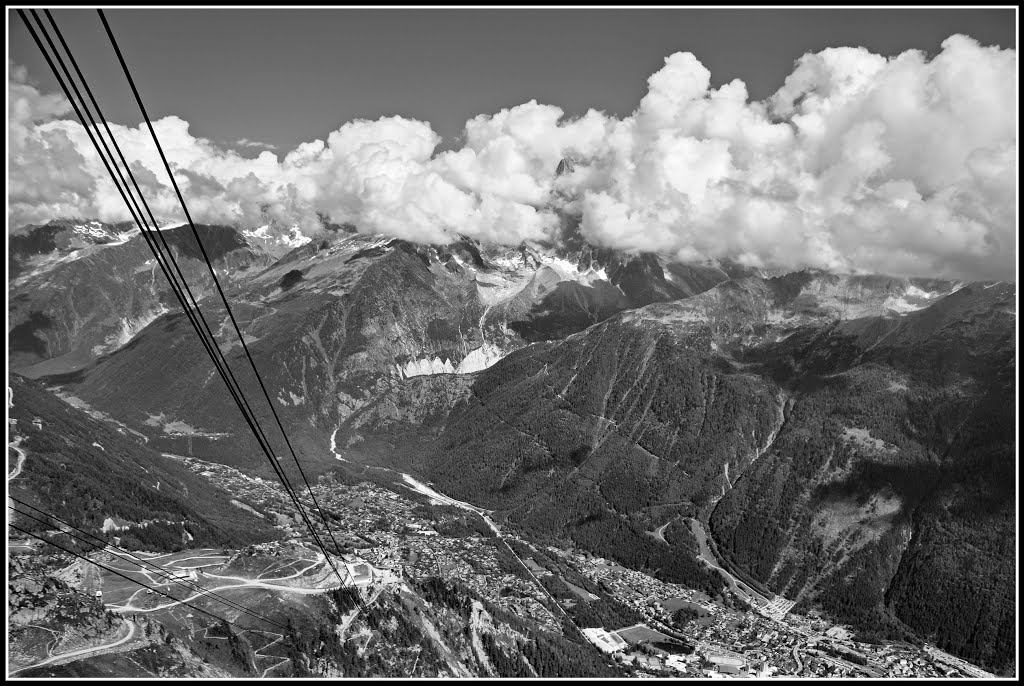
[567,165]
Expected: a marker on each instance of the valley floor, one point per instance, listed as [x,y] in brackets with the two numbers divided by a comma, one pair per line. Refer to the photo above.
[409,531]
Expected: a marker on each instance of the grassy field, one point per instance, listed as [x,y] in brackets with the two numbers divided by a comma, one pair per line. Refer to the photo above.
[259,584]
[639,634]
[119,591]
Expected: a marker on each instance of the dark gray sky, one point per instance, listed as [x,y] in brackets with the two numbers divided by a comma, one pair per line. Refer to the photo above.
[287,76]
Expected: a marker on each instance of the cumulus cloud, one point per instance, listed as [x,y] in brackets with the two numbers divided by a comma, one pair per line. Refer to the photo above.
[859,162]
[47,176]
[249,143]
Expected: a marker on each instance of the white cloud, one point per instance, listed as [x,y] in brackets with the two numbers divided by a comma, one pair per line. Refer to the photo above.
[249,143]
[859,162]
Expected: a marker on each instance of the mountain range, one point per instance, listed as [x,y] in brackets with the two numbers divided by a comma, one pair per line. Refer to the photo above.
[847,441]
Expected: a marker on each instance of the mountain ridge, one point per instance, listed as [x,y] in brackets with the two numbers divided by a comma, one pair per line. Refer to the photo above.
[589,397]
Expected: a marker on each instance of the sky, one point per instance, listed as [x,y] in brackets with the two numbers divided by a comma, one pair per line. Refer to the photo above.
[284,77]
[844,139]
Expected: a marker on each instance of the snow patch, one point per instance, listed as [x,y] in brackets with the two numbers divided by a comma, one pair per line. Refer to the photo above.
[913,299]
[281,242]
[567,271]
[124,237]
[477,360]
[480,359]
[425,367]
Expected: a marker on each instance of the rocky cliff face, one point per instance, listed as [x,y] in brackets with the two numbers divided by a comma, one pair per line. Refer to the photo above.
[46,611]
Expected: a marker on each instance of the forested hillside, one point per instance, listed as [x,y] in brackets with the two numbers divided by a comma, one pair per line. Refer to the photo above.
[602,437]
[848,464]
[887,496]
[826,429]
[84,471]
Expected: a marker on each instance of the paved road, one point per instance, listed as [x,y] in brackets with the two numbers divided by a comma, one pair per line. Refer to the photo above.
[267,584]
[21,457]
[10,477]
[15,445]
[659,533]
[85,652]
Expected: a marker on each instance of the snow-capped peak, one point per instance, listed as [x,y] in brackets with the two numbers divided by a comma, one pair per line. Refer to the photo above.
[277,242]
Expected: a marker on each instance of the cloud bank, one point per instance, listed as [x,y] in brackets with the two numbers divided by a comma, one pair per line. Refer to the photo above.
[903,165]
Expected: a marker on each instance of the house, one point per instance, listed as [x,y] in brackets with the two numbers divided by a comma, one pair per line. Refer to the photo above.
[115,524]
[37,423]
[647,661]
[676,662]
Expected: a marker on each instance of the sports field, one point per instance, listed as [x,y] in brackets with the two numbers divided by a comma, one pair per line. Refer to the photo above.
[641,633]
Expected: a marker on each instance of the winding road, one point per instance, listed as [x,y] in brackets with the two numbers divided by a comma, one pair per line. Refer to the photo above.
[15,445]
[21,457]
[267,584]
[659,533]
[84,652]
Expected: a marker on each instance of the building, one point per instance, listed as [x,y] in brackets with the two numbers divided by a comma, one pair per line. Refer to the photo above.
[676,662]
[648,661]
[360,573]
[114,524]
[727,665]
[607,642]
